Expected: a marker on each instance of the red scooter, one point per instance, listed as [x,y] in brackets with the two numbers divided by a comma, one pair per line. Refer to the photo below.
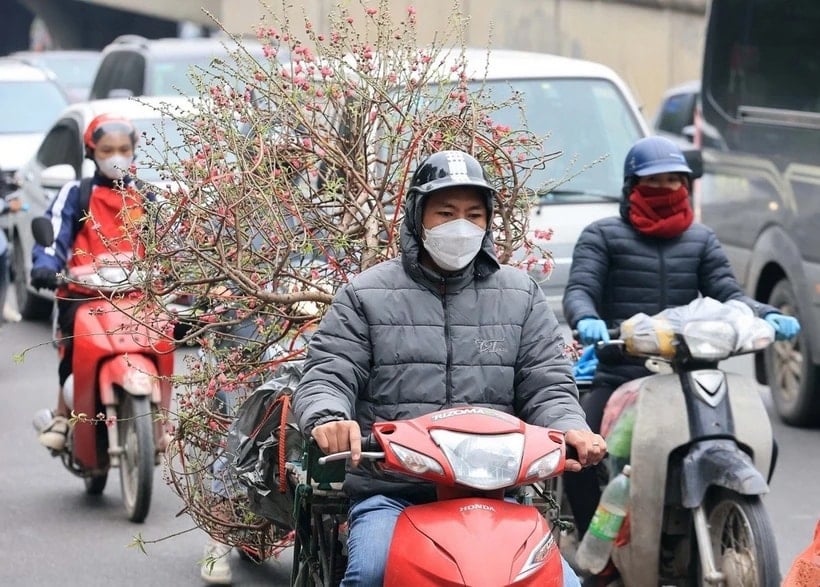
[121,387]
[472,535]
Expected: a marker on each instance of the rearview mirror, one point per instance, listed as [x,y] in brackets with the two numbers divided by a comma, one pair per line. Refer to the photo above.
[42,231]
[56,176]
[694,158]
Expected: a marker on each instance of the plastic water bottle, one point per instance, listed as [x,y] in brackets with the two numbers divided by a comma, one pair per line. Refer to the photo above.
[593,554]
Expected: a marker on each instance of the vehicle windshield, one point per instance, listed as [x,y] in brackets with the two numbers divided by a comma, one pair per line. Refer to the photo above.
[75,71]
[170,77]
[35,106]
[587,119]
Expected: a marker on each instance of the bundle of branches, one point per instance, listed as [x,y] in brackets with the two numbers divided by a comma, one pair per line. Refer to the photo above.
[291,180]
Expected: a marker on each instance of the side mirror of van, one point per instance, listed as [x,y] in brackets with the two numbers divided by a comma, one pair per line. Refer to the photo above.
[694,158]
[56,176]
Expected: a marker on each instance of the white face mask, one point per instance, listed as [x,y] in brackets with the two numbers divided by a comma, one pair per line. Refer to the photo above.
[114,167]
[454,244]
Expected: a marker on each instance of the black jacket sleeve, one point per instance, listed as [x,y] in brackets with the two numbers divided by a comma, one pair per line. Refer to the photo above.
[587,276]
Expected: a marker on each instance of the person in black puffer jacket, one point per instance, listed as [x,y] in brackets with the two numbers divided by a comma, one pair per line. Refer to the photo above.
[649,258]
[444,325]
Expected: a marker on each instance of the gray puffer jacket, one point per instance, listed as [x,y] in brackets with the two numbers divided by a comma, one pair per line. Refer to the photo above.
[400,341]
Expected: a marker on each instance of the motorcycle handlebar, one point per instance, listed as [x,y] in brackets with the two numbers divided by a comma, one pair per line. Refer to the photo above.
[371,450]
[612,332]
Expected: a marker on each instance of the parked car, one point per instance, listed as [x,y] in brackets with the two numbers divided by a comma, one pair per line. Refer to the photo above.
[73,70]
[30,101]
[135,66]
[60,159]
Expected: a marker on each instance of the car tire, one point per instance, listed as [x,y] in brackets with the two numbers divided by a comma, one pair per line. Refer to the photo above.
[30,305]
[790,373]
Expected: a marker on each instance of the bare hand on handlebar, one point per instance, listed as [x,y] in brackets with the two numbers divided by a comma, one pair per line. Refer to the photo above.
[590,448]
[338,436]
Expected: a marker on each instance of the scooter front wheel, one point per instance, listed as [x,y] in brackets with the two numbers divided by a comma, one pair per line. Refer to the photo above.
[136,435]
[95,484]
[743,540]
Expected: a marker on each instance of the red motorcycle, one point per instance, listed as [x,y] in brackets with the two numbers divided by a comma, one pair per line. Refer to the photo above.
[121,390]
[471,535]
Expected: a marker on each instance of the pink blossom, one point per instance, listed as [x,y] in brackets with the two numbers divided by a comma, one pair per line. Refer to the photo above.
[371,11]
[411,10]
[543,234]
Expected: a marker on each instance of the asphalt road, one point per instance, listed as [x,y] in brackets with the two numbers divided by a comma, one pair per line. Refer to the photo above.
[51,533]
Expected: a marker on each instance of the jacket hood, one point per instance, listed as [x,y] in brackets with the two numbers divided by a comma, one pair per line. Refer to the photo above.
[626,190]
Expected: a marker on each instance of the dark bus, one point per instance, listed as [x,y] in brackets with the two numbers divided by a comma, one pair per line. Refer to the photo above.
[759,129]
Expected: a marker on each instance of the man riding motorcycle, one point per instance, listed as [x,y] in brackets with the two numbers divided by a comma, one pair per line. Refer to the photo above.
[649,258]
[444,325]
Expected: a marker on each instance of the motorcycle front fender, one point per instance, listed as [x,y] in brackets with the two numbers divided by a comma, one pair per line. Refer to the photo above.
[472,541]
[718,463]
[136,374]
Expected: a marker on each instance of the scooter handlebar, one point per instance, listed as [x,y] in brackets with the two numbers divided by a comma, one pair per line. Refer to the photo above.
[345,454]
[371,450]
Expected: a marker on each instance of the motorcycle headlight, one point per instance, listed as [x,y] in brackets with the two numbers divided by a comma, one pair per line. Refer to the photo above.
[709,339]
[482,461]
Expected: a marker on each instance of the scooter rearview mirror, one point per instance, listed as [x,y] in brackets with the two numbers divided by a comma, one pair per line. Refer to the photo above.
[42,231]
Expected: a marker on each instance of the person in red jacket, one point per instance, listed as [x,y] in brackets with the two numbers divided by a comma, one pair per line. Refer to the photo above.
[84,230]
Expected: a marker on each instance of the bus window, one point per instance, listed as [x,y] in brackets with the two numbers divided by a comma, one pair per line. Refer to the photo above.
[766,55]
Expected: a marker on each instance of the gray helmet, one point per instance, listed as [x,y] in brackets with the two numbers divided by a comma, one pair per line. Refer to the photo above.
[440,170]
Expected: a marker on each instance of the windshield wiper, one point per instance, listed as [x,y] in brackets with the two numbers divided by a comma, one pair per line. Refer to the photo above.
[542,194]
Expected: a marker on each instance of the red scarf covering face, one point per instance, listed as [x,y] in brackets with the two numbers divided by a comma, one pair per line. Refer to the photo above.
[660,212]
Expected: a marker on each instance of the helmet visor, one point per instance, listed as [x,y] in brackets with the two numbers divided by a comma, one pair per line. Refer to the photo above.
[113,127]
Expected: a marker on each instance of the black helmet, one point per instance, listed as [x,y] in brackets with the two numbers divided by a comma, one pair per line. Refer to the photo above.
[445,169]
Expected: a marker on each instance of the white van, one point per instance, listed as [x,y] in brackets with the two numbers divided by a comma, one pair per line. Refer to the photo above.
[592,117]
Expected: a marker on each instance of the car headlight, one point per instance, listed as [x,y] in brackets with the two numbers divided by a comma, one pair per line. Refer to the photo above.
[709,339]
[482,461]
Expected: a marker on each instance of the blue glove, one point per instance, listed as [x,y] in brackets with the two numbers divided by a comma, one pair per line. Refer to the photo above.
[785,327]
[591,330]
[584,369]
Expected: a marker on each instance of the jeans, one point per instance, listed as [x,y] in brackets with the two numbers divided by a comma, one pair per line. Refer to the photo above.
[371,523]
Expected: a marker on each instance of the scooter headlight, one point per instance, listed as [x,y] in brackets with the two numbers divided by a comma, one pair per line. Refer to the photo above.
[709,339]
[482,461]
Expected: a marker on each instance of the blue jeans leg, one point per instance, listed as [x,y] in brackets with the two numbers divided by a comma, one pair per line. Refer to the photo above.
[570,578]
[371,523]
